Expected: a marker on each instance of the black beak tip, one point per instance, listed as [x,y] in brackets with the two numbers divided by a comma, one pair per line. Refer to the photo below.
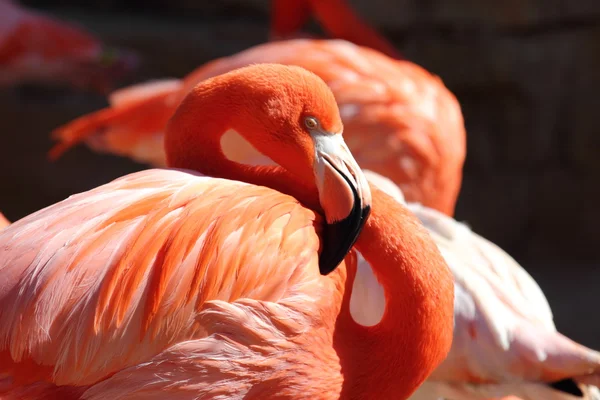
[339,238]
[329,264]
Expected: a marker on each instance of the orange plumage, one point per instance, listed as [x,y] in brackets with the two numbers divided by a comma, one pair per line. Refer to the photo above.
[153,259]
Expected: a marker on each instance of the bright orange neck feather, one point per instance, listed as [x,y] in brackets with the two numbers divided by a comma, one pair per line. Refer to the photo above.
[415,333]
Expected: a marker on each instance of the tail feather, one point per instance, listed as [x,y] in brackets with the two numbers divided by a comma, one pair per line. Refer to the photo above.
[556,356]
[81,129]
[131,127]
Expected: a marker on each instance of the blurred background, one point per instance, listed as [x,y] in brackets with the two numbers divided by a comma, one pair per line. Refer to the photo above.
[526,72]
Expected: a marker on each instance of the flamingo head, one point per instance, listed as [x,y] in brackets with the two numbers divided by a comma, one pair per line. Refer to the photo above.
[289,115]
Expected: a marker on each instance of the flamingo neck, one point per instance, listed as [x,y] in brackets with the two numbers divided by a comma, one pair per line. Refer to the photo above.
[337,18]
[288,17]
[415,333]
[340,21]
[193,141]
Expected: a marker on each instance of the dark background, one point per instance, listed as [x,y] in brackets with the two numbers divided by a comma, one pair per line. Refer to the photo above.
[526,72]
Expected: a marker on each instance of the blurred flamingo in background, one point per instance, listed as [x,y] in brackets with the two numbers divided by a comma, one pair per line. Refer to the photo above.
[399,120]
[505,341]
[37,49]
[166,284]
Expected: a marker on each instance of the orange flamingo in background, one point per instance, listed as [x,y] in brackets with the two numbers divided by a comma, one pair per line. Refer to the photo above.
[166,283]
[35,48]
[505,341]
[399,120]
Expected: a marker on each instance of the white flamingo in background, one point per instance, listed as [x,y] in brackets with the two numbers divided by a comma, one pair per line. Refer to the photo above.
[505,341]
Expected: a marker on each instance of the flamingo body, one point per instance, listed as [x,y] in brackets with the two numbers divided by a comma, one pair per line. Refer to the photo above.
[116,277]
[162,282]
[231,287]
[399,120]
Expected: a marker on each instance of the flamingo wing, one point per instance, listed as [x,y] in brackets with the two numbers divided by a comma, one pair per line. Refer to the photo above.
[133,126]
[109,278]
[472,257]
[247,354]
[503,323]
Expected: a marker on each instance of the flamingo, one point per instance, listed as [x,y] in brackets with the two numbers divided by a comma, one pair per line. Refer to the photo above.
[399,120]
[505,341]
[170,284]
[35,48]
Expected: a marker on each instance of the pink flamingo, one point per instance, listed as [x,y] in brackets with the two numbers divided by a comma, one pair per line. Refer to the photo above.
[36,48]
[166,284]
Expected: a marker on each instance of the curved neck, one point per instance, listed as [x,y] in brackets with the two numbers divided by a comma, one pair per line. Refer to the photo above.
[193,141]
[340,21]
[415,333]
[337,19]
[288,17]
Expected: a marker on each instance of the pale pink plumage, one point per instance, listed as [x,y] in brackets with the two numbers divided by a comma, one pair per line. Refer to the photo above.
[505,341]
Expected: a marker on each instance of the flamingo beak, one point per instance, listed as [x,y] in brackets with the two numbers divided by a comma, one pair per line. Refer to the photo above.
[344,195]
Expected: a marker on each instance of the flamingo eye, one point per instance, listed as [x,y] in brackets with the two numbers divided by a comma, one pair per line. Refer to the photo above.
[311,123]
